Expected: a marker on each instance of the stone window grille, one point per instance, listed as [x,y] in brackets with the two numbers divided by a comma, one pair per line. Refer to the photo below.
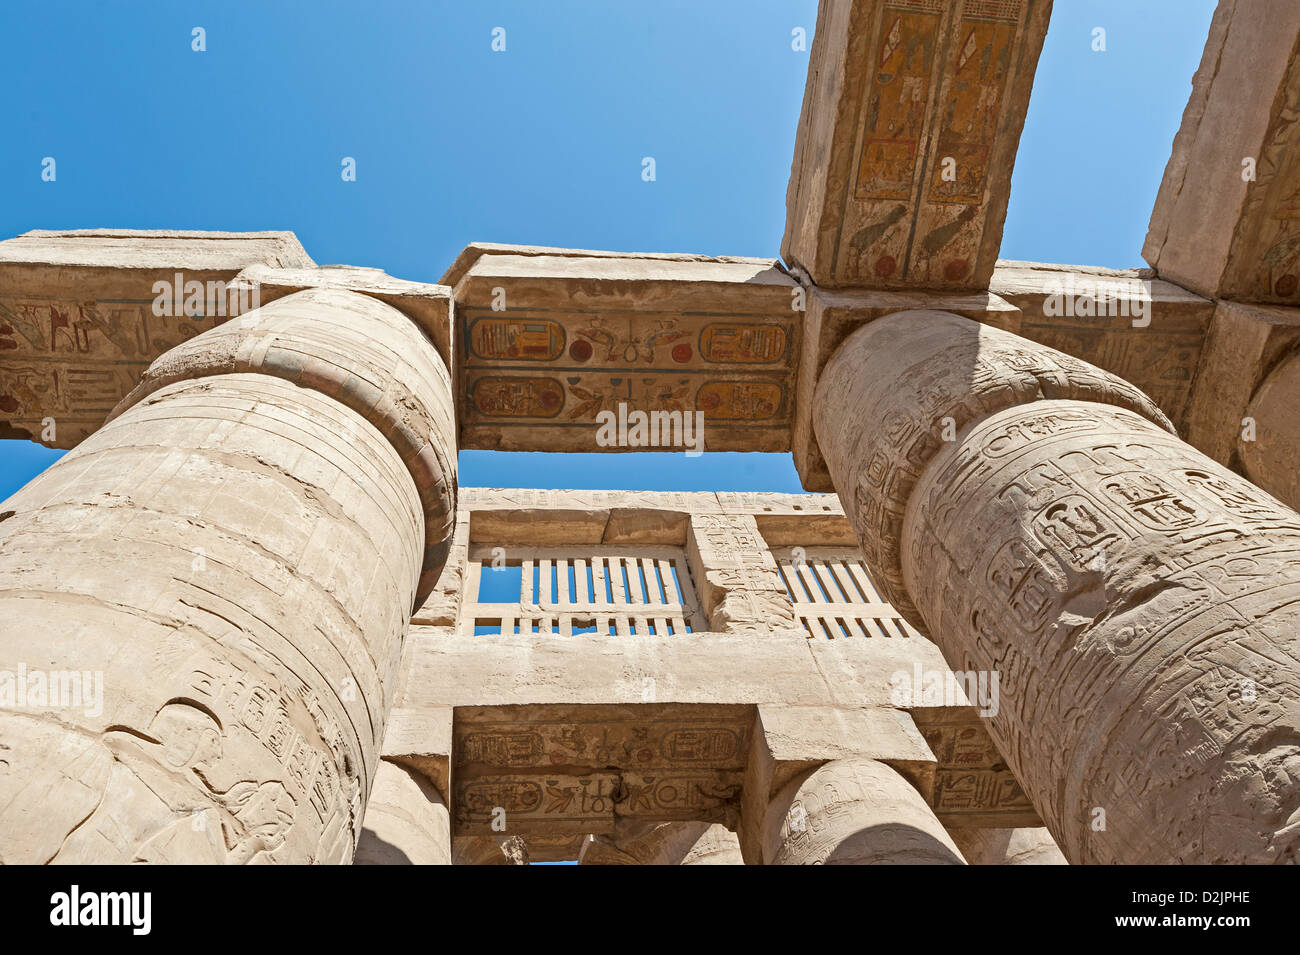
[833,595]
[575,590]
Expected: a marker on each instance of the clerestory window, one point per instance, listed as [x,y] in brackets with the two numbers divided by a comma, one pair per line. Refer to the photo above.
[575,590]
[833,595]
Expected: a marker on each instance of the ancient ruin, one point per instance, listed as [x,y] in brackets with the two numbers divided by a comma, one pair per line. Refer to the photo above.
[1043,604]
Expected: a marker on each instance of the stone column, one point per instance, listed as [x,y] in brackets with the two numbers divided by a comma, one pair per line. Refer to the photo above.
[1007,846]
[489,850]
[854,812]
[669,843]
[227,566]
[1140,603]
[1272,455]
[406,821]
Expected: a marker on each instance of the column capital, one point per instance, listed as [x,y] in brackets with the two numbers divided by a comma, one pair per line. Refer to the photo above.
[362,353]
[923,376]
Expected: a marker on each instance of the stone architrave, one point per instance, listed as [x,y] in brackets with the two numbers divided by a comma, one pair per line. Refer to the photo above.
[83,313]
[1226,221]
[906,141]
[1139,602]
[231,561]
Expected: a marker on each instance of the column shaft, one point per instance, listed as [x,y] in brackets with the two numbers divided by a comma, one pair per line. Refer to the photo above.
[1140,603]
[406,821]
[231,561]
[854,812]
[669,843]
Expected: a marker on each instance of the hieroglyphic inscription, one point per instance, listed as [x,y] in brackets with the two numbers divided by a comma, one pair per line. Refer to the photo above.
[555,769]
[741,586]
[737,373]
[1138,602]
[972,783]
[71,360]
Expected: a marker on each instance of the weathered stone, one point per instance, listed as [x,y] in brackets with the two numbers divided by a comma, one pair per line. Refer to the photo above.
[1243,406]
[490,850]
[1136,599]
[1226,223]
[207,540]
[262,555]
[831,317]
[1007,846]
[1271,455]
[854,812]
[406,821]
[905,145]
[428,306]
[553,338]
[82,314]
[1149,332]
[670,843]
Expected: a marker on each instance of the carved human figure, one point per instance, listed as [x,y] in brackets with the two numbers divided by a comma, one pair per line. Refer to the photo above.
[237,553]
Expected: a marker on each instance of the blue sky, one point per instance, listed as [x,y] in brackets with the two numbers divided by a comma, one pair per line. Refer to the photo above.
[539,144]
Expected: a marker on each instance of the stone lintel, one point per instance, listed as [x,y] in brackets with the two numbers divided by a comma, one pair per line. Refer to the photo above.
[482,500]
[1148,331]
[1225,222]
[903,154]
[585,768]
[785,666]
[831,317]
[79,318]
[525,517]
[469,255]
[154,250]
[549,338]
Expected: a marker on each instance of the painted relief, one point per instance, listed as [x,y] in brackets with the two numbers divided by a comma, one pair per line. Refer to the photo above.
[896,103]
[743,344]
[516,339]
[504,397]
[739,400]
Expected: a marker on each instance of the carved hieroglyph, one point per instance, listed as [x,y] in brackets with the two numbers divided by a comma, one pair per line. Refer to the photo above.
[550,339]
[83,313]
[1149,332]
[739,587]
[234,556]
[905,144]
[1226,221]
[595,769]
[1138,601]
